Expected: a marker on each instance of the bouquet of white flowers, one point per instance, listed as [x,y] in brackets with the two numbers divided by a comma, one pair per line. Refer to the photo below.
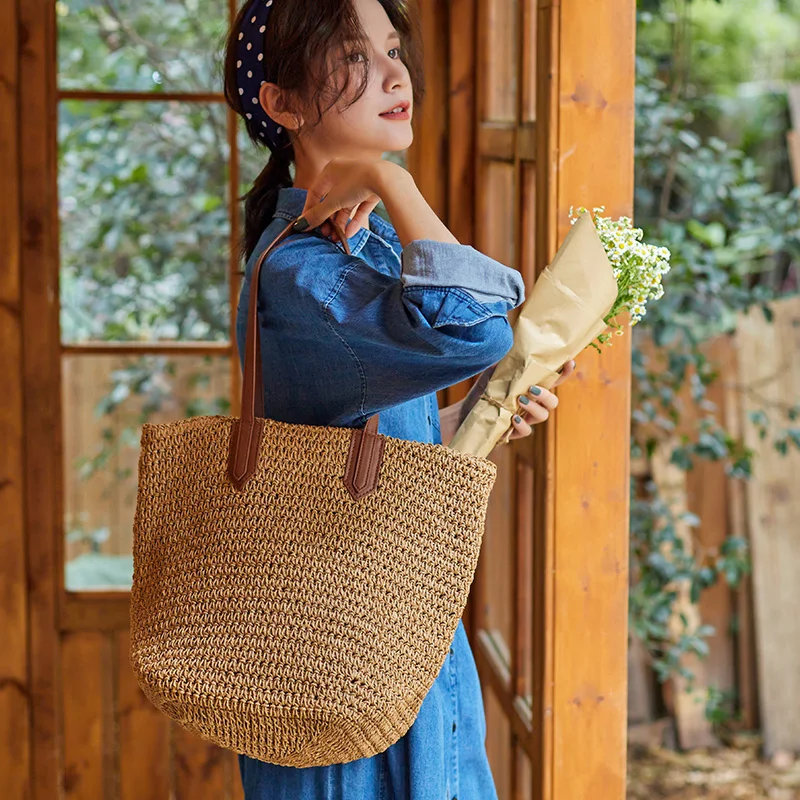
[600,270]
[638,267]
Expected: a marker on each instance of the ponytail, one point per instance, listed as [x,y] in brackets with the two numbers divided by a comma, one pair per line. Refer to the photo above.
[260,202]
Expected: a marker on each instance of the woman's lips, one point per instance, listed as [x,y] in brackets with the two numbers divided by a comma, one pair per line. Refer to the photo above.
[399,115]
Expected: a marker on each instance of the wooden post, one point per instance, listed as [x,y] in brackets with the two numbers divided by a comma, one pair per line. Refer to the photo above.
[585,114]
[15,688]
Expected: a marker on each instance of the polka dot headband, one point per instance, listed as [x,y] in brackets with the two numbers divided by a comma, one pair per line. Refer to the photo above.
[250,74]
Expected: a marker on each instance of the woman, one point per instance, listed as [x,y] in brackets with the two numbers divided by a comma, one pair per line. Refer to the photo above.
[329,86]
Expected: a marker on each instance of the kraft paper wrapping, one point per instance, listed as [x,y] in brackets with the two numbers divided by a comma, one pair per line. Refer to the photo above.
[564,312]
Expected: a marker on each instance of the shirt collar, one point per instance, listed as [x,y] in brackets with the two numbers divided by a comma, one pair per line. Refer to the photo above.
[292,199]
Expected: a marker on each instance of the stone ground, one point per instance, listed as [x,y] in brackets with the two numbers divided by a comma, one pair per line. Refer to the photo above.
[728,773]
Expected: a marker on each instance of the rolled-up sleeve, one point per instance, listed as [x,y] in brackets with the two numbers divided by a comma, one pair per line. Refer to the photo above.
[443,321]
[427,262]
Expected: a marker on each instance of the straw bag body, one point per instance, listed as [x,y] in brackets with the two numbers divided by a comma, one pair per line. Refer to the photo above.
[296,588]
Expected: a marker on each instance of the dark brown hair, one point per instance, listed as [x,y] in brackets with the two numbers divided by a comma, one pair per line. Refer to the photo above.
[301,41]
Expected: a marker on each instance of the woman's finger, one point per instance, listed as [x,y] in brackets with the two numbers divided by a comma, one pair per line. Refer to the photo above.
[361,217]
[534,413]
[537,394]
[567,370]
[521,428]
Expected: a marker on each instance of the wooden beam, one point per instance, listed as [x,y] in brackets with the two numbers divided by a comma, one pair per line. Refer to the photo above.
[41,359]
[427,156]
[95,611]
[144,97]
[505,141]
[164,348]
[15,694]
[585,111]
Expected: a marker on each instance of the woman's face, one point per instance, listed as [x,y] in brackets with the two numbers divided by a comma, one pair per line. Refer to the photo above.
[359,130]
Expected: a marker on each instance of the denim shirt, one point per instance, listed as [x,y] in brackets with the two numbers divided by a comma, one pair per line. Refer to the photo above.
[344,337]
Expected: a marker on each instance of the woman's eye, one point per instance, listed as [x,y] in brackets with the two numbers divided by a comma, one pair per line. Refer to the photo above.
[399,55]
[350,57]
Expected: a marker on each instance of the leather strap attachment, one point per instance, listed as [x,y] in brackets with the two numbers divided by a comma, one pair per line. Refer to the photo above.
[364,459]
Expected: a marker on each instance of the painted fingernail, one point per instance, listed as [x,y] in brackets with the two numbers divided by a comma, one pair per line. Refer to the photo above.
[300,225]
[517,418]
[524,399]
[535,390]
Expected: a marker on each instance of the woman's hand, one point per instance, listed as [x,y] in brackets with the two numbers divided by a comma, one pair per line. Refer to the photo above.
[346,189]
[536,404]
[536,410]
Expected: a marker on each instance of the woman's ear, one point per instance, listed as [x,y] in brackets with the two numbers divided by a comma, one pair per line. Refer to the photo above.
[273,101]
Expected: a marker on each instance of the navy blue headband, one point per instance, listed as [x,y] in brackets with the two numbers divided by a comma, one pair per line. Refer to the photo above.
[250,73]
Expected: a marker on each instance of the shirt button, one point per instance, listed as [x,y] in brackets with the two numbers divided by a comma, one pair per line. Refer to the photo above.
[454,726]
[451,651]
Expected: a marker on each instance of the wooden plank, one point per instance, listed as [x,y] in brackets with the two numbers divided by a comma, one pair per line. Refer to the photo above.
[641,694]
[793,96]
[460,178]
[589,436]
[693,729]
[426,157]
[498,61]
[42,478]
[541,745]
[769,369]
[144,755]
[201,769]
[235,777]
[746,677]
[88,706]
[15,732]
[707,497]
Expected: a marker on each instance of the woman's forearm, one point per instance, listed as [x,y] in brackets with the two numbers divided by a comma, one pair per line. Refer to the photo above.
[408,210]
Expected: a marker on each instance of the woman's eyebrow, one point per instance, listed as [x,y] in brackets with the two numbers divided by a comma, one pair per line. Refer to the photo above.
[393,34]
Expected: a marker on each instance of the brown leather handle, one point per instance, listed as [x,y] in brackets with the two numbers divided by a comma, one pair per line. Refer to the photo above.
[366,446]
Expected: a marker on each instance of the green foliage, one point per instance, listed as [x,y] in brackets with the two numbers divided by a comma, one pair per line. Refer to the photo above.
[721,707]
[735,245]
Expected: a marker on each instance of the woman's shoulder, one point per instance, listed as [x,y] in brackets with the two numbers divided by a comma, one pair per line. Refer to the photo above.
[305,264]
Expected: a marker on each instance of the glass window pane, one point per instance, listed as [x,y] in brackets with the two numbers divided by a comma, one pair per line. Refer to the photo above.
[105,401]
[144,221]
[141,45]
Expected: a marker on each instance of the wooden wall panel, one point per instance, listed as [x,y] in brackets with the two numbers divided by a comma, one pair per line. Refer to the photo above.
[202,770]
[15,694]
[498,744]
[144,756]
[707,496]
[88,733]
[498,61]
[770,374]
[427,156]
[39,258]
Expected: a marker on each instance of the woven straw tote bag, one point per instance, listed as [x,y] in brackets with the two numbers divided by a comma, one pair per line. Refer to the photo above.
[296,588]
